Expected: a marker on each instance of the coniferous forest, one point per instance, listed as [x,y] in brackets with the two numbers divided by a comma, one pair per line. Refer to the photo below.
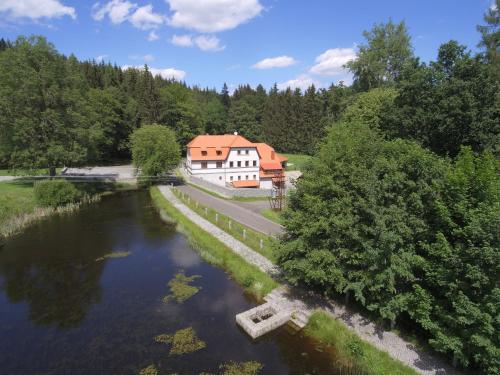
[399,209]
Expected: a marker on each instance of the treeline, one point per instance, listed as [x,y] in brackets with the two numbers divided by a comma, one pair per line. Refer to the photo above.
[399,211]
[56,110]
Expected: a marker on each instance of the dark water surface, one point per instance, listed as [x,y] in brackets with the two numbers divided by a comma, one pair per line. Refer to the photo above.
[63,312]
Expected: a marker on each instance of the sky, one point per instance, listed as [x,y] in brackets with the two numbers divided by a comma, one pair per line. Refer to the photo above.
[208,42]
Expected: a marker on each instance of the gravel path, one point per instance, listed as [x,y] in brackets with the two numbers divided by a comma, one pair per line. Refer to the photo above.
[387,341]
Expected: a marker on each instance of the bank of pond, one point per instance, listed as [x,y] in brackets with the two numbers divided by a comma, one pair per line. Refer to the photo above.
[116,288]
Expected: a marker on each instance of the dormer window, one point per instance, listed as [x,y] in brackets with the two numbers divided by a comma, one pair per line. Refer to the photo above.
[203,153]
[219,152]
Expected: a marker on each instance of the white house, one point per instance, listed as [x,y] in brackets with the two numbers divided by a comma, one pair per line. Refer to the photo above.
[232,160]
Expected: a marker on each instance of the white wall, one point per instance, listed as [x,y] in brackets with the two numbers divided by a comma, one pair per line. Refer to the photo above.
[223,175]
[266,183]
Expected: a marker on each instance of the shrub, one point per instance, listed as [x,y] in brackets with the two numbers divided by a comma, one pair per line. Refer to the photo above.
[55,193]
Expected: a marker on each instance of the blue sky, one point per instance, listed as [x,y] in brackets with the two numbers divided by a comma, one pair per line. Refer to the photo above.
[208,42]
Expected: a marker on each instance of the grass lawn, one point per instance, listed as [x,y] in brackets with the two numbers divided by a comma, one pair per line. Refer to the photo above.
[272,215]
[296,162]
[215,252]
[371,360]
[16,198]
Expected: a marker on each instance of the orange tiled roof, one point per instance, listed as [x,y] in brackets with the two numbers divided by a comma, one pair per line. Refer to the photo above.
[269,159]
[210,144]
[246,184]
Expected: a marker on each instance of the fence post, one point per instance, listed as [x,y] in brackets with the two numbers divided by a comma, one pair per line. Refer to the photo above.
[206,211]
[196,204]
[261,244]
[229,224]
[244,234]
[216,217]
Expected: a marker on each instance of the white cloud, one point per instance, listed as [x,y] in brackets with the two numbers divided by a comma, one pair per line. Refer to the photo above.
[302,82]
[332,61]
[208,43]
[144,18]
[210,16]
[118,11]
[203,42]
[275,62]
[153,36]
[101,58]
[36,9]
[182,40]
[167,73]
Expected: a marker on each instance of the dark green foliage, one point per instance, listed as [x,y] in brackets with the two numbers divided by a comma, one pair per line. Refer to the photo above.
[54,193]
[451,102]
[490,34]
[408,234]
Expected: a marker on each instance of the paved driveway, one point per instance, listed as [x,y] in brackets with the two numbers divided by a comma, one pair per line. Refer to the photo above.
[241,214]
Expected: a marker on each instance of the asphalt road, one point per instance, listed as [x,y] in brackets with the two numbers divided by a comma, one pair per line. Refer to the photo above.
[239,213]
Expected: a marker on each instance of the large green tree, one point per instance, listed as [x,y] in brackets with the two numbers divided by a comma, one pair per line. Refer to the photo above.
[155,150]
[43,122]
[381,60]
[490,36]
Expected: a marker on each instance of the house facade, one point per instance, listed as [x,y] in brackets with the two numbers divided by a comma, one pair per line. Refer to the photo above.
[232,160]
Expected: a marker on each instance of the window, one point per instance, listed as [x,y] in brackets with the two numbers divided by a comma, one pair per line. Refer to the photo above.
[254,177]
[231,164]
[231,178]
[203,153]
[219,164]
[239,164]
[220,177]
[246,177]
[204,165]
[247,163]
[255,163]
[239,178]
[246,152]
[239,152]
[219,152]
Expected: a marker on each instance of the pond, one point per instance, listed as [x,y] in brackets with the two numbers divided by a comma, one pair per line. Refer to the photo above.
[67,308]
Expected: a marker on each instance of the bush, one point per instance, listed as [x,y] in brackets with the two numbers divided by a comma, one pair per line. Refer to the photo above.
[55,193]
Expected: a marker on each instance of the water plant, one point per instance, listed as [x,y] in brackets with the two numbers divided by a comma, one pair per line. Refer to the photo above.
[183,341]
[180,288]
[150,370]
[117,254]
[241,368]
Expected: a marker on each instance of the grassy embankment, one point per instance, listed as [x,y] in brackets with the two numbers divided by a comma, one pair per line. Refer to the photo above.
[252,238]
[322,327]
[18,207]
[215,252]
[272,215]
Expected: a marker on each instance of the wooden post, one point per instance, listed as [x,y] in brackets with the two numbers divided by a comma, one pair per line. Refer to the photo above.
[244,234]
[196,204]
[229,223]
[216,217]
[261,244]
[206,211]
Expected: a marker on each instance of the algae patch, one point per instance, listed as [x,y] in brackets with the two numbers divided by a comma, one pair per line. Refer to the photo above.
[150,370]
[117,254]
[180,287]
[183,341]
[241,368]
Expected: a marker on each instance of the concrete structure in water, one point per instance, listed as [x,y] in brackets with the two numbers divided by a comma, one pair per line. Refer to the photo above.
[232,160]
[280,308]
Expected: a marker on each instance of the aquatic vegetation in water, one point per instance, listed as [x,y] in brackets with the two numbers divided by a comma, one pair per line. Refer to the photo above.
[180,288]
[183,341]
[150,370]
[117,254]
[241,368]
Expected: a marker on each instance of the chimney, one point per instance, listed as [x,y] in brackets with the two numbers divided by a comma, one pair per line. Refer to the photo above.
[235,133]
